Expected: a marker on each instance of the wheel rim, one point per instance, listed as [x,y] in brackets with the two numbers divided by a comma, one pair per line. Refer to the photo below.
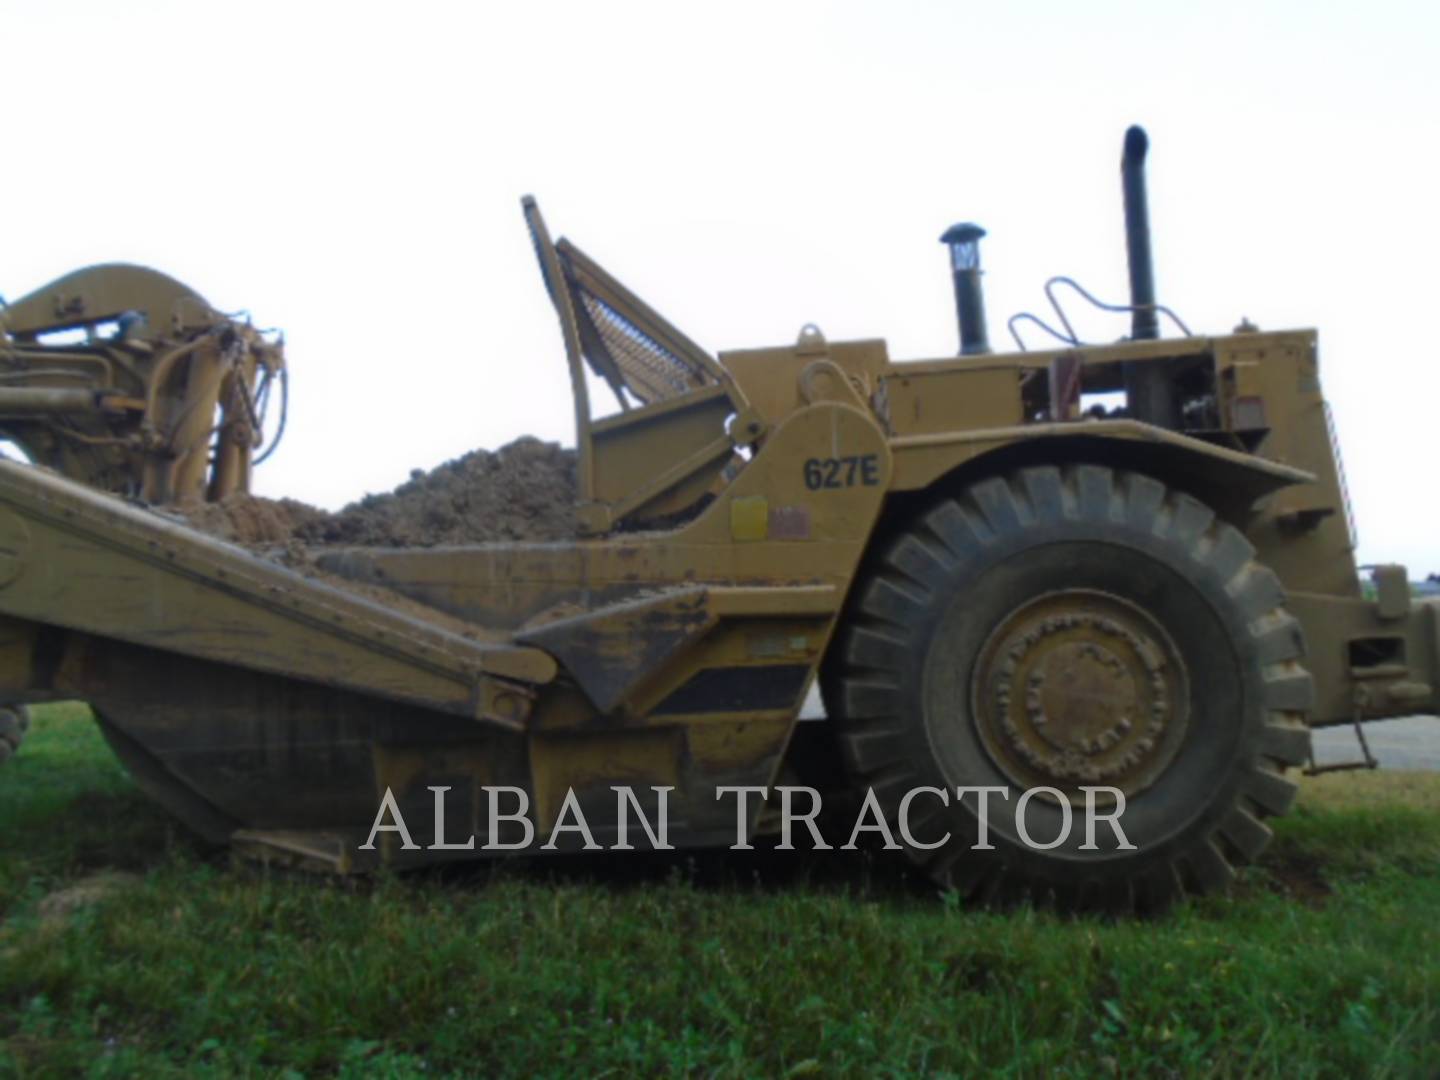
[1080,688]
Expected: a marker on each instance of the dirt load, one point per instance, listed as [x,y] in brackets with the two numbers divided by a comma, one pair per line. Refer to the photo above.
[523,491]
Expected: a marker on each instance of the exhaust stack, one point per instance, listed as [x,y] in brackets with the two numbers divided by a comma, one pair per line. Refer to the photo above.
[964,243]
[1144,322]
[1150,391]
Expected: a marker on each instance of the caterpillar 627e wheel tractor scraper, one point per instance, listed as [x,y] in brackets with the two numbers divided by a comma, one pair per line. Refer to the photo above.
[996,584]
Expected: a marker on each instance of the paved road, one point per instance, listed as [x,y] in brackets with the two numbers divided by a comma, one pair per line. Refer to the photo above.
[1411,743]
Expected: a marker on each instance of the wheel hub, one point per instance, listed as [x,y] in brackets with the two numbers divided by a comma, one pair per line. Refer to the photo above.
[1080,688]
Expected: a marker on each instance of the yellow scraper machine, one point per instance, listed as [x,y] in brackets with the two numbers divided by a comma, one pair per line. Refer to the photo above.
[1081,585]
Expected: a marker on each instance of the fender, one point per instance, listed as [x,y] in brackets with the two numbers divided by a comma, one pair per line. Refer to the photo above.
[1228,479]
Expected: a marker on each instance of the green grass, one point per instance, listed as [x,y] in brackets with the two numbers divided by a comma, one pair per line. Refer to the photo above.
[1324,962]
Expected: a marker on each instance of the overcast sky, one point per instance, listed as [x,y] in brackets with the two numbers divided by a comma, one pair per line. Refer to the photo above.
[351,173]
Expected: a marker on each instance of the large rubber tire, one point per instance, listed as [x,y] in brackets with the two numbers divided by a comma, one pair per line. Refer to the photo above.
[1073,559]
[14,722]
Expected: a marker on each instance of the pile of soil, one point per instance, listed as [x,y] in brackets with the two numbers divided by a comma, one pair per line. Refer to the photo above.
[250,519]
[523,491]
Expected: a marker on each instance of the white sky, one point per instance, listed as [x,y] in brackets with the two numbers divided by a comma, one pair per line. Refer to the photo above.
[352,173]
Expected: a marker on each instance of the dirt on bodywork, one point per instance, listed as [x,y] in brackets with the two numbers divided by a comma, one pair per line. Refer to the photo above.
[522,491]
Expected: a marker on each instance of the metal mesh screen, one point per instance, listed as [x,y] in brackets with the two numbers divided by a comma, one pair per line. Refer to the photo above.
[650,370]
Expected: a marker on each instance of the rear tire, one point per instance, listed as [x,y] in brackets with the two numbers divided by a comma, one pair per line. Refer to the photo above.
[14,723]
[1064,628]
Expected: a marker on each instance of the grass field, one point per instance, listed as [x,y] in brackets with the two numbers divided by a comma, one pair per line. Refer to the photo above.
[126,949]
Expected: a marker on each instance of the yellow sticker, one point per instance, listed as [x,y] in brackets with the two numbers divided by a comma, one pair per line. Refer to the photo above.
[749,517]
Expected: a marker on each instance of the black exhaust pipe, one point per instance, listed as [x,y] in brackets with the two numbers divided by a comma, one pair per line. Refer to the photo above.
[1144,322]
[1150,391]
[964,243]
